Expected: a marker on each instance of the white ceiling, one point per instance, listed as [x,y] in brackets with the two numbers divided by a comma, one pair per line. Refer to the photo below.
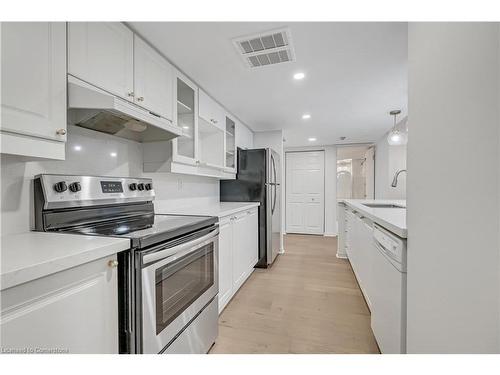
[355,74]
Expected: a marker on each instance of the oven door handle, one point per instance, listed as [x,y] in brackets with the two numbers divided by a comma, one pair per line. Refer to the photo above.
[162,254]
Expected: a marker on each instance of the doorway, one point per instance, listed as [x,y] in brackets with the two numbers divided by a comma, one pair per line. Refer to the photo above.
[356,172]
[305,192]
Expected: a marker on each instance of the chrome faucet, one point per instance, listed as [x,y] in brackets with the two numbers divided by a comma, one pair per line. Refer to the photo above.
[395,179]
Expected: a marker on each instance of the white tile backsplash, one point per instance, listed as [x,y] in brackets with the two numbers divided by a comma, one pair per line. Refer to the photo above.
[93,153]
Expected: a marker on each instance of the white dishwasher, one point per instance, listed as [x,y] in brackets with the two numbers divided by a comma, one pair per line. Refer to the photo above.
[388,314]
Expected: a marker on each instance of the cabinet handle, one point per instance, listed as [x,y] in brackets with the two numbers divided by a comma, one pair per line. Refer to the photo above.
[61,131]
[140,98]
[130,94]
[113,263]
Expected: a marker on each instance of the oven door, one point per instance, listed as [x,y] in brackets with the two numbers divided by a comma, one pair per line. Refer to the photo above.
[177,283]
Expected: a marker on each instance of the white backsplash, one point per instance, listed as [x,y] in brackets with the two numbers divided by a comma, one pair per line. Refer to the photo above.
[92,153]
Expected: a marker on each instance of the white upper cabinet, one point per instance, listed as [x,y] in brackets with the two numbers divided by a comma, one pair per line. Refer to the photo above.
[33,88]
[185,147]
[210,110]
[102,53]
[153,80]
[230,144]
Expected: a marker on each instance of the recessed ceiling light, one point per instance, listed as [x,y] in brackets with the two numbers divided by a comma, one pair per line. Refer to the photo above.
[77,148]
[185,127]
[113,154]
[311,139]
[299,76]
[306,116]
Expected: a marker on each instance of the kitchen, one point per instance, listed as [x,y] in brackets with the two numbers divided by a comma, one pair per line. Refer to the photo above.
[152,203]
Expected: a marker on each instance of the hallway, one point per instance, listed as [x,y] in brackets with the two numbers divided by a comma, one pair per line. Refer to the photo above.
[308,302]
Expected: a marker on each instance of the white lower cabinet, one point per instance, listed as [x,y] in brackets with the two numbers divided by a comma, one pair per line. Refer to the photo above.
[73,311]
[225,261]
[238,252]
[359,233]
[342,230]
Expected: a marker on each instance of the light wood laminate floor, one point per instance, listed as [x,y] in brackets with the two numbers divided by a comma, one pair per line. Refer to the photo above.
[307,302]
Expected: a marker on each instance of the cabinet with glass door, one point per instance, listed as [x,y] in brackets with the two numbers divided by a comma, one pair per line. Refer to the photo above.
[186,114]
[230,142]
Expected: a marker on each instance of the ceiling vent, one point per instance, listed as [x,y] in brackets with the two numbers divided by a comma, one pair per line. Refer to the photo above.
[267,48]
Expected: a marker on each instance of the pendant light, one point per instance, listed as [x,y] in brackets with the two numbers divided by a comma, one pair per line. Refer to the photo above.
[396,137]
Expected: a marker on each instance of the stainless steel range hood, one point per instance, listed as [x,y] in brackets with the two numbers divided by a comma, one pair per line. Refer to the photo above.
[95,109]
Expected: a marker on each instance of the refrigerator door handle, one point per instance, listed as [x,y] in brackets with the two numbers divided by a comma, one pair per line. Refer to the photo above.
[274,183]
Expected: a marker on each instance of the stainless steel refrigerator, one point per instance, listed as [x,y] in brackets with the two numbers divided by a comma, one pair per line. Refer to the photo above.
[258,179]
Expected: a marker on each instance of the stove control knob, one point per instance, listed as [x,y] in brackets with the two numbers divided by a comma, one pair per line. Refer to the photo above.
[140,186]
[75,186]
[149,186]
[60,186]
[133,186]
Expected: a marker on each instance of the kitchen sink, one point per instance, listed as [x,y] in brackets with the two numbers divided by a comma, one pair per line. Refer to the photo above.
[382,205]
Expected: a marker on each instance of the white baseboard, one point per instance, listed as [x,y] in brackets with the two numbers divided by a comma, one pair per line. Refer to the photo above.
[330,234]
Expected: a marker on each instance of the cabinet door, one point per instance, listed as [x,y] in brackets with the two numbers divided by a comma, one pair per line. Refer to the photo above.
[102,53]
[185,147]
[34,79]
[230,144]
[240,246]
[341,220]
[366,257]
[74,310]
[210,110]
[153,84]
[225,262]
[252,228]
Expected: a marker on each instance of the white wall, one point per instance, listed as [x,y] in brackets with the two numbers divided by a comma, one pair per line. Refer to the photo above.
[94,158]
[388,160]
[331,228]
[453,188]
[274,140]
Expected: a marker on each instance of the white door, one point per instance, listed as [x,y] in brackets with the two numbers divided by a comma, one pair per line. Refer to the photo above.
[102,53]
[153,83]
[34,79]
[305,190]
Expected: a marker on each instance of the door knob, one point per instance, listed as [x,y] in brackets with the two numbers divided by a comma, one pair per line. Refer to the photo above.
[113,263]
[61,131]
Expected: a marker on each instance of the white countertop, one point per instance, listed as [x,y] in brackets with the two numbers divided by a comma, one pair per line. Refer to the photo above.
[220,209]
[392,219]
[31,255]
